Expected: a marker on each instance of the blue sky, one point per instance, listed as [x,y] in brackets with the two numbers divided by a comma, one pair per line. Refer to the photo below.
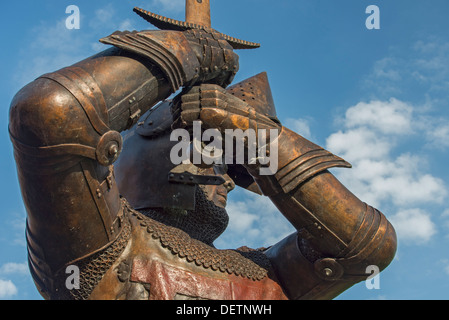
[378,98]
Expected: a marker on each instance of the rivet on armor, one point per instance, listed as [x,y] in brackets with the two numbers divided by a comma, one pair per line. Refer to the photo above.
[113,150]
[109,148]
[328,269]
[328,272]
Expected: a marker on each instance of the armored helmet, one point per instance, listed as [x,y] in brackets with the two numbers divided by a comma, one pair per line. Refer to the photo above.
[145,173]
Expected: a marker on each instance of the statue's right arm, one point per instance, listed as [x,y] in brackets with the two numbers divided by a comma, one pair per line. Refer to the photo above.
[65,127]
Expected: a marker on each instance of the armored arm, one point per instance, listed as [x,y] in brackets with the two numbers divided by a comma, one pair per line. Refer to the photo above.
[338,236]
[186,58]
[65,128]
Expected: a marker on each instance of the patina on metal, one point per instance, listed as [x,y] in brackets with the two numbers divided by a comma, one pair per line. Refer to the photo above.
[197,18]
[198,12]
[92,144]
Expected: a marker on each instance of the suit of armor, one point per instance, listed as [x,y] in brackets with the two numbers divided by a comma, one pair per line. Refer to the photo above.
[86,210]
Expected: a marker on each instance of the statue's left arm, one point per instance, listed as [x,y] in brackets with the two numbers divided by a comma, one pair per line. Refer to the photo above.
[338,236]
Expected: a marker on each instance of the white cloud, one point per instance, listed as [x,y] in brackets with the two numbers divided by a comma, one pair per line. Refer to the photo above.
[384,68]
[386,117]
[52,47]
[103,16]
[126,24]
[106,20]
[421,69]
[372,136]
[14,268]
[395,181]
[384,176]
[432,65]
[438,135]
[241,218]
[413,225]
[17,224]
[300,126]
[254,222]
[371,129]
[7,289]
[357,144]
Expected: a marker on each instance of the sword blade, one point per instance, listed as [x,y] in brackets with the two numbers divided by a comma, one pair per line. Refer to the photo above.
[198,12]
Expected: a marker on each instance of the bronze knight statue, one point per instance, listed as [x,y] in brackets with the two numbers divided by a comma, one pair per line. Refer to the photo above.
[92,143]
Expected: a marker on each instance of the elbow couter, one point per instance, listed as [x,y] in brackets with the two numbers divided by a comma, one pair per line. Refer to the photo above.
[372,248]
[44,113]
[375,242]
[381,250]
[58,115]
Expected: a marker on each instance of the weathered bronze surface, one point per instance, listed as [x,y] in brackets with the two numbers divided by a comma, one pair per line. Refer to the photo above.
[97,199]
[198,12]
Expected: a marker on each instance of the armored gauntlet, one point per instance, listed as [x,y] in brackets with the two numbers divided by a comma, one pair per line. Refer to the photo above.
[218,109]
[243,127]
[186,58]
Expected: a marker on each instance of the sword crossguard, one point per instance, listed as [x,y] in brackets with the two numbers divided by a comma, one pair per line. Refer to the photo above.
[197,17]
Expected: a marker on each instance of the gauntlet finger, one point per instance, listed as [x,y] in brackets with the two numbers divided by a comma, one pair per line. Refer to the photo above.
[214,103]
[213,117]
[190,106]
[209,87]
[191,96]
[189,116]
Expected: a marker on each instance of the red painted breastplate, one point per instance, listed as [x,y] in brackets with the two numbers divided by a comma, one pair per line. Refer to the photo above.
[164,263]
